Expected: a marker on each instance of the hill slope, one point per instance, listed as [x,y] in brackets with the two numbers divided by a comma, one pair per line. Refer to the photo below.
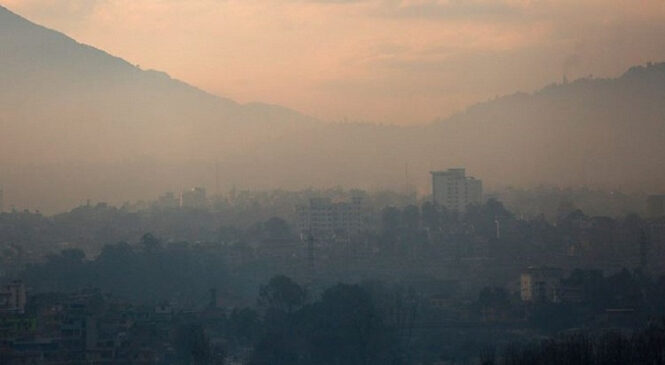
[66,101]
[78,123]
[606,133]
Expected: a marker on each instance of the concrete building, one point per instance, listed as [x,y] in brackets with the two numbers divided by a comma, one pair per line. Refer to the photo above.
[13,297]
[541,284]
[454,190]
[325,219]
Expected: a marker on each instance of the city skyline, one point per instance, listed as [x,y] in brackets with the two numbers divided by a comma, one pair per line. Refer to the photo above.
[318,182]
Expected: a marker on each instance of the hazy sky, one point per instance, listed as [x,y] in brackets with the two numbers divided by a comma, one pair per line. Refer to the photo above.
[390,61]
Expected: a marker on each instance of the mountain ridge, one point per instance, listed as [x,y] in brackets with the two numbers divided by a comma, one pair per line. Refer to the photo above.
[116,133]
[21,24]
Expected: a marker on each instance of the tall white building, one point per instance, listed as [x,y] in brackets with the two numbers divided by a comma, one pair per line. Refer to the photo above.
[454,190]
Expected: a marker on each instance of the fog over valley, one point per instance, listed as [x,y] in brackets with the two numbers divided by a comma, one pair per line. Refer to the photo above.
[332,182]
[78,123]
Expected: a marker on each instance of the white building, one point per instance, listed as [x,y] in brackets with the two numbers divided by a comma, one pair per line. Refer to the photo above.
[541,284]
[454,190]
[324,219]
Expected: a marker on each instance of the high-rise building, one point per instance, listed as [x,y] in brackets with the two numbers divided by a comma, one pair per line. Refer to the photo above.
[324,219]
[2,200]
[454,190]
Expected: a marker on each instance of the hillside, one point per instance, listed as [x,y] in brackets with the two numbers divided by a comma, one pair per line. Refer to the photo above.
[63,98]
[607,132]
[604,133]
[78,123]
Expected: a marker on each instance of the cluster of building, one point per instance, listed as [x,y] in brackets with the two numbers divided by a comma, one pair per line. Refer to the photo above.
[195,198]
[92,328]
[541,285]
[324,219]
[454,190]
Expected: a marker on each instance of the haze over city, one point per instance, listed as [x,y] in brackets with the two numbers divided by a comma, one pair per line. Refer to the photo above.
[326,182]
[343,93]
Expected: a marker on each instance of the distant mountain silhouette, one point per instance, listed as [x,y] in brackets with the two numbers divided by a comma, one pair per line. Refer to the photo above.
[605,133]
[99,106]
[608,132]
[79,123]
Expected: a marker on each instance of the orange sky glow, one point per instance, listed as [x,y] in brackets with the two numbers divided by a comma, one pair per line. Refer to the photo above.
[382,61]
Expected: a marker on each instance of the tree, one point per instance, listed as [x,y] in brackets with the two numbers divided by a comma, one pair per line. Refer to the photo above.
[150,243]
[282,294]
[276,349]
[430,215]
[411,217]
[348,329]
[192,345]
[119,252]
[390,219]
[244,325]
